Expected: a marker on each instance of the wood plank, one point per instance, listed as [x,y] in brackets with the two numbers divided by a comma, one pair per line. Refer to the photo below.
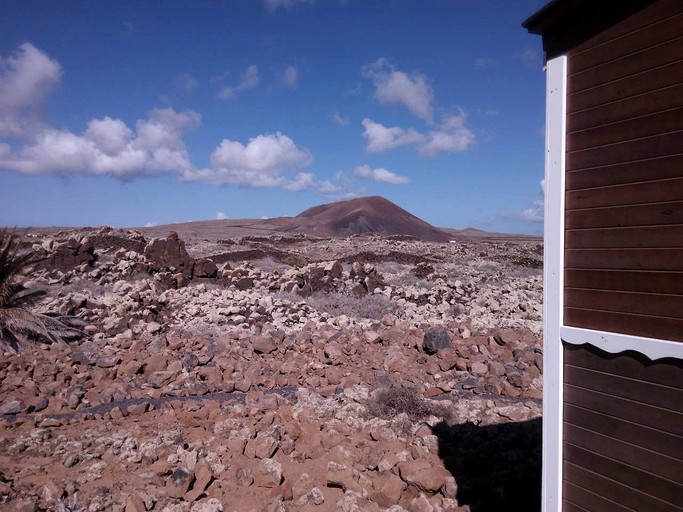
[657,11]
[636,85]
[625,280]
[652,57]
[656,214]
[636,390]
[665,259]
[648,415]
[587,500]
[655,463]
[634,41]
[652,439]
[637,325]
[658,123]
[654,304]
[571,507]
[625,104]
[643,237]
[632,365]
[664,489]
[630,172]
[628,194]
[618,493]
[628,151]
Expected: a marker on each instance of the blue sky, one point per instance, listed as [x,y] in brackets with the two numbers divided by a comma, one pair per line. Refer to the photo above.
[135,113]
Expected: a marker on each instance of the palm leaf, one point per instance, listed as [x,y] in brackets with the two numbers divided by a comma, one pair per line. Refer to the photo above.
[19,325]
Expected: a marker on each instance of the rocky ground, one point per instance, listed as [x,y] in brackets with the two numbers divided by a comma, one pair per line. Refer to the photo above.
[278,374]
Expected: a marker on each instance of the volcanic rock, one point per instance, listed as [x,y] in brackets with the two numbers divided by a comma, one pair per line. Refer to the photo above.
[435,340]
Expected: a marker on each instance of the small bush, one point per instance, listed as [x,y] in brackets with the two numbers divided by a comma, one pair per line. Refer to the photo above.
[390,402]
[457,309]
[487,267]
[295,260]
[342,303]
[270,264]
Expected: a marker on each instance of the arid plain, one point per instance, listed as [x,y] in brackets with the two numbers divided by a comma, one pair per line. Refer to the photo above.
[352,358]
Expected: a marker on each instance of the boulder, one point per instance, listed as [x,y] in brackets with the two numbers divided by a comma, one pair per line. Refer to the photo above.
[436,339]
[205,267]
[170,254]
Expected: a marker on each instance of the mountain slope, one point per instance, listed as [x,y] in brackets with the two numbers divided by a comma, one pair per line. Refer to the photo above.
[372,214]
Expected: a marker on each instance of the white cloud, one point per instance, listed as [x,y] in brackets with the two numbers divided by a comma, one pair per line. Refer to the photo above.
[339,187]
[274,5]
[380,175]
[186,83]
[26,79]
[529,57]
[262,163]
[410,90]
[381,138]
[226,93]
[151,224]
[249,80]
[536,212]
[110,135]
[338,119]
[108,147]
[290,77]
[221,216]
[451,136]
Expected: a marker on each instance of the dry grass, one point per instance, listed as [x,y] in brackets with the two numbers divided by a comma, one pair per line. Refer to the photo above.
[390,402]
[271,265]
[343,303]
[295,260]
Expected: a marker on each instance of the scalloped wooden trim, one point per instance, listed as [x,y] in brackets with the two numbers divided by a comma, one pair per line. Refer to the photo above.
[615,343]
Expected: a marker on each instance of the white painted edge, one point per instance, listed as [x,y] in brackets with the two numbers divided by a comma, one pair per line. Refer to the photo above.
[615,343]
[553,278]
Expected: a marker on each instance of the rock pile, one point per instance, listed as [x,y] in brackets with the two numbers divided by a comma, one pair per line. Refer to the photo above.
[226,388]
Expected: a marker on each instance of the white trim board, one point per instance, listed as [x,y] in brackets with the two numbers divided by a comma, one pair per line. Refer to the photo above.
[553,278]
[614,343]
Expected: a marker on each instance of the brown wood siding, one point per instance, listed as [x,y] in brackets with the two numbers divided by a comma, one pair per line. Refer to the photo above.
[623,432]
[624,178]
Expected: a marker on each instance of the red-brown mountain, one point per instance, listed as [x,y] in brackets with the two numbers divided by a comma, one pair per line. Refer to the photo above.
[372,214]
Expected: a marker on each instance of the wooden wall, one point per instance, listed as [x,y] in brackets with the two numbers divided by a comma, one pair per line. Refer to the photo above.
[623,432]
[624,179]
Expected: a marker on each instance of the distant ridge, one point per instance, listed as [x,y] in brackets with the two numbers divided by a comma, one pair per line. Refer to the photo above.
[373,214]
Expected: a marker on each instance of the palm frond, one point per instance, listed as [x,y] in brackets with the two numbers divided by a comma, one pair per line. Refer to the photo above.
[22,296]
[19,325]
[8,339]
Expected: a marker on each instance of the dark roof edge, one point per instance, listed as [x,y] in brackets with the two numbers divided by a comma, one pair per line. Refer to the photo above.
[532,22]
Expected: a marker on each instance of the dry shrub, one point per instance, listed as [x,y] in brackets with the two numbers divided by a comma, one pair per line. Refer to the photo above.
[270,264]
[390,402]
[525,261]
[457,309]
[295,260]
[487,267]
[356,306]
